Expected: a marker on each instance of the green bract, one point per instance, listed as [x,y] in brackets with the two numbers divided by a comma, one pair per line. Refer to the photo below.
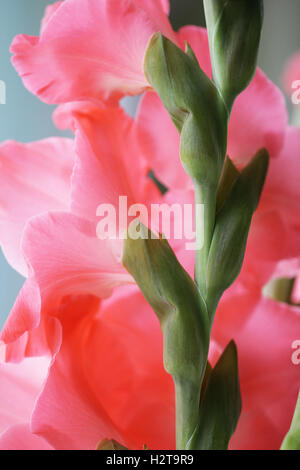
[195,106]
[234,29]
[220,405]
[231,229]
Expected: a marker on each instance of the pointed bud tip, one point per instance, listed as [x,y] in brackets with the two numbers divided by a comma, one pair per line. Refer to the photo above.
[231,349]
[260,164]
[229,352]
[263,154]
[157,39]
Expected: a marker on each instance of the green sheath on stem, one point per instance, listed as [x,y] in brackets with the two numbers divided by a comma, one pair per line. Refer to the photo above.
[220,405]
[231,229]
[195,106]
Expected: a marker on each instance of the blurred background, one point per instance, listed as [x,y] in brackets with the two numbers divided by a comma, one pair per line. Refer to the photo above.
[25,118]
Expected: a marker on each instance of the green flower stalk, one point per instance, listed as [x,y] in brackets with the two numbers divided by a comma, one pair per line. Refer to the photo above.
[208,401]
[183,317]
[187,93]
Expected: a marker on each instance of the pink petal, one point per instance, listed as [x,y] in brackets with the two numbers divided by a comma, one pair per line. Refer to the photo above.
[20,386]
[30,332]
[166,6]
[269,378]
[49,12]
[67,414]
[282,180]
[34,178]
[142,406]
[261,430]
[258,119]
[109,164]
[70,259]
[81,265]
[197,38]
[26,332]
[159,140]
[76,56]
[23,316]
[235,308]
[182,246]
[66,114]
[282,192]
[268,242]
[19,437]
[108,380]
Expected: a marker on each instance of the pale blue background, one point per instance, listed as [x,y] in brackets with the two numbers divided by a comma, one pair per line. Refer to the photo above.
[25,118]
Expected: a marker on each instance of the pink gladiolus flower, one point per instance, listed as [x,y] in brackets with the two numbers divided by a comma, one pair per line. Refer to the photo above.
[76,56]
[72,333]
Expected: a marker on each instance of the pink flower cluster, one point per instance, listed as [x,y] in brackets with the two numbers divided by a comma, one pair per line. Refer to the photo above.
[82,350]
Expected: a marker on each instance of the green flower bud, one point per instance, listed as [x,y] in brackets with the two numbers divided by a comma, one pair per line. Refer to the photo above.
[292,439]
[231,229]
[220,406]
[195,106]
[175,299]
[234,30]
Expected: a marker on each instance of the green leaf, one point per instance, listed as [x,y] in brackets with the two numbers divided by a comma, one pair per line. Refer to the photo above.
[234,30]
[194,104]
[220,406]
[231,229]
[292,439]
